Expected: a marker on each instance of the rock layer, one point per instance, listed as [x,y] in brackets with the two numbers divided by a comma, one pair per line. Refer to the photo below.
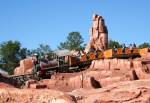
[101,73]
[33,96]
[98,35]
[123,92]
[25,67]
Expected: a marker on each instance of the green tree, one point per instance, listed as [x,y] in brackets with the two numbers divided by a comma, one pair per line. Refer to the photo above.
[9,52]
[23,53]
[113,43]
[74,42]
[144,45]
[42,49]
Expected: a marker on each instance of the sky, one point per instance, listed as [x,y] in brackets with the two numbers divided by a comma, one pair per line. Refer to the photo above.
[34,22]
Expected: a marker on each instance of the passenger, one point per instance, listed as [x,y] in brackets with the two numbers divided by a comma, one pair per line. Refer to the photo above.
[78,55]
[103,48]
[134,45]
[115,48]
[35,58]
[97,53]
[123,48]
[83,53]
[131,47]
[45,61]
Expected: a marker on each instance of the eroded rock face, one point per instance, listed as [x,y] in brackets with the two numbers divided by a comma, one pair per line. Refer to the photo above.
[33,96]
[101,73]
[123,92]
[25,67]
[98,35]
[142,70]
[4,85]
[106,81]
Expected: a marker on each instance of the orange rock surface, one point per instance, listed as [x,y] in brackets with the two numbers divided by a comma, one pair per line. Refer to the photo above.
[98,34]
[123,92]
[25,67]
[105,81]
[10,95]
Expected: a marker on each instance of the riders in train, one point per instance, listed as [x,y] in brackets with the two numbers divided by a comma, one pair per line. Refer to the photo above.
[35,58]
[115,48]
[80,54]
[123,48]
[38,63]
[132,46]
[45,62]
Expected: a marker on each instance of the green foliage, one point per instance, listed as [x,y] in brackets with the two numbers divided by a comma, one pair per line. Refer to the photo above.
[113,43]
[23,52]
[144,45]
[74,42]
[9,52]
[42,49]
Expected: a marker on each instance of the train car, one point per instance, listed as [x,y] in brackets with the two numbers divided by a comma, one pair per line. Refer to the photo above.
[72,61]
[144,51]
[120,53]
[65,63]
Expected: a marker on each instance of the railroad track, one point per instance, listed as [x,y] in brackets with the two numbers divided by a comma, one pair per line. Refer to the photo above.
[19,80]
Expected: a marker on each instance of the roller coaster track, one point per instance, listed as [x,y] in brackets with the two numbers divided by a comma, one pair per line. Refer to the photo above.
[19,80]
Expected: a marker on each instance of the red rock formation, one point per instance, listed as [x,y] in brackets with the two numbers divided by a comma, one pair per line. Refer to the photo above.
[25,67]
[106,81]
[4,85]
[142,70]
[102,73]
[123,92]
[98,35]
[11,95]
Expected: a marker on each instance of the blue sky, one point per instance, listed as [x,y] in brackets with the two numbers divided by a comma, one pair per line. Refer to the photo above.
[33,22]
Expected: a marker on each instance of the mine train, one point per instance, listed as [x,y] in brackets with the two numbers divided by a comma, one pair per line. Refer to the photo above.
[72,63]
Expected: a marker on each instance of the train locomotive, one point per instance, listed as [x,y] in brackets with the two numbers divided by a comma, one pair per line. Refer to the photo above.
[74,63]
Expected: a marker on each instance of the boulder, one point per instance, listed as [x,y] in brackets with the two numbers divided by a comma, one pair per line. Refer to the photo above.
[5,85]
[25,67]
[142,71]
